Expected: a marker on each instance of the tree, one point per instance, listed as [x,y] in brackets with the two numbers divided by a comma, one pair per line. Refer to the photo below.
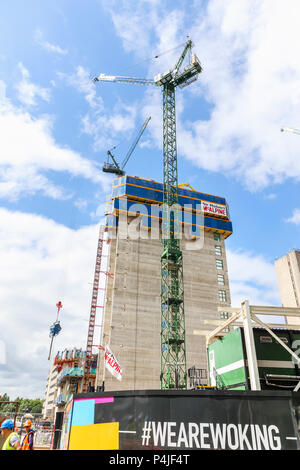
[26,405]
[4,397]
[36,406]
[31,406]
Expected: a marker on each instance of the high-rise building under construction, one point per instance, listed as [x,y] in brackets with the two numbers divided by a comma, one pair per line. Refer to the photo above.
[132,312]
[288,275]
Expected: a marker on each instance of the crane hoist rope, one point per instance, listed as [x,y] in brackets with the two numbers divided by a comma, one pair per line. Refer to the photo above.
[157,56]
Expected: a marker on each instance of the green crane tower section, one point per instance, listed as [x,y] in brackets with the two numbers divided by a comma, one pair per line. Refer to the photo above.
[173,357]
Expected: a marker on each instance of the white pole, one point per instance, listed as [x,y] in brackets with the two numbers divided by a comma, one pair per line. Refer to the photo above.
[250,347]
[294,355]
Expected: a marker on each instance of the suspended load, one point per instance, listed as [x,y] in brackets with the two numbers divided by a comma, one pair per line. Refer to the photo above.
[55,329]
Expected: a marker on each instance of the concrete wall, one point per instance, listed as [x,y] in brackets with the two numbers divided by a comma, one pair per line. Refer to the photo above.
[288,275]
[50,394]
[133,310]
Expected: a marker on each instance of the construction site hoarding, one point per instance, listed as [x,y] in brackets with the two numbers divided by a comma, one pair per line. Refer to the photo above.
[176,420]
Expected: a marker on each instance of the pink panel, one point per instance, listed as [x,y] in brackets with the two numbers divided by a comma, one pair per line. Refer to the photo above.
[104,400]
[97,400]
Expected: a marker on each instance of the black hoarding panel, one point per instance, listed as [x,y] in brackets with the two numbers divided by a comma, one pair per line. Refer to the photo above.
[214,420]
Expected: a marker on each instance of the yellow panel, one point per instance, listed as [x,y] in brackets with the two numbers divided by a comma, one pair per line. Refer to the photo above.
[103,436]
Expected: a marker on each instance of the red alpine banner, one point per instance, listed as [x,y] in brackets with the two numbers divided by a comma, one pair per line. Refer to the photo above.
[112,364]
[212,208]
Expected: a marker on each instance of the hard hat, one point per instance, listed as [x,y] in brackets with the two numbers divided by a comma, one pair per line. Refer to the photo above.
[7,424]
[27,423]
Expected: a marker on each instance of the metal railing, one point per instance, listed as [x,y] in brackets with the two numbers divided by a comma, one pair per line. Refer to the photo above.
[43,439]
[62,398]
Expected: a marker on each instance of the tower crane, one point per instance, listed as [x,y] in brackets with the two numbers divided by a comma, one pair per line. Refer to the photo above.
[173,373]
[115,168]
[289,129]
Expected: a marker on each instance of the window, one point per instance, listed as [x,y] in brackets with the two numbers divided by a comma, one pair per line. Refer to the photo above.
[217,237]
[222,296]
[221,281]
[218,250]
[224,315]
[219,264]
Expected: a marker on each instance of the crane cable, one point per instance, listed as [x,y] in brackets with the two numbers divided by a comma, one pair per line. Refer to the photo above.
[168,51]
[157,56]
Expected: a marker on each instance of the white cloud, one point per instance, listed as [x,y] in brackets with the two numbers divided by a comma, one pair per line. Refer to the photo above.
[157,27]
[39,37]
[134,21]
[42,262]
[103,125]
[252,278]
[250,79]
[81,80]
[252,92]
[28,92]
[2,91]
[107,128]
[29,152]
[100,210]
[270,196]
[295,219]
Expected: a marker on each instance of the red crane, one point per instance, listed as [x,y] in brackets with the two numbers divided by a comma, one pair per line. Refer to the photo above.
[94,306]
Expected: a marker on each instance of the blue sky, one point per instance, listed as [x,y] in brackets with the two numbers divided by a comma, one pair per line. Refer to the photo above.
[56,126]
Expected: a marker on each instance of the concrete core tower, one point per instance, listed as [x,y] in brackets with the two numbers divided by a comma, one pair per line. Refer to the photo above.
[132,314]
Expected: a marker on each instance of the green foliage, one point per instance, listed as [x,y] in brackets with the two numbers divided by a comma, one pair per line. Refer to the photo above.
[31,406]
[26,405]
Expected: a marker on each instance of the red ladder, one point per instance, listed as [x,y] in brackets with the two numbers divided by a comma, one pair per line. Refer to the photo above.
[91,329]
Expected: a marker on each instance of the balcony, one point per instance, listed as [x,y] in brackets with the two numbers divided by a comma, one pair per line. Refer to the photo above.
[69,372]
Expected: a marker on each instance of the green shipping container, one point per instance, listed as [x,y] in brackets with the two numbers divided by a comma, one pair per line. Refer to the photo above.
[228,367]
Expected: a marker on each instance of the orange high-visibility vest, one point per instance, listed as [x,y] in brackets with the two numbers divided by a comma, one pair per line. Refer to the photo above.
[25,445]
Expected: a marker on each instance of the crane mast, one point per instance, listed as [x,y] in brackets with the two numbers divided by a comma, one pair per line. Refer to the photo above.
[173,351]
[173,356]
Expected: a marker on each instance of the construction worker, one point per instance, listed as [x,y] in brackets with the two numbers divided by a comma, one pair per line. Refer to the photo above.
[12,439]
[27,443]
